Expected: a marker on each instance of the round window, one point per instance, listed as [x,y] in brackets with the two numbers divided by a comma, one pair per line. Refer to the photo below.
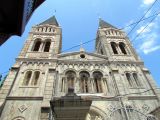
[82,55]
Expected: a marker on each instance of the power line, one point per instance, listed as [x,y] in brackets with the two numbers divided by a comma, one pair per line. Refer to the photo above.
[79,45]
[142,18]
[123,95]
[104,35]
[156,14]
[137,92]
[140,21]
[144,28]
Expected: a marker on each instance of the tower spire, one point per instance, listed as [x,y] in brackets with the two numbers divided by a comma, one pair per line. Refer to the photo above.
[104,24]
[52,21]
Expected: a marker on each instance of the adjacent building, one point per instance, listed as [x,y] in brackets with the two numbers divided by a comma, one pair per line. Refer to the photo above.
[14,16]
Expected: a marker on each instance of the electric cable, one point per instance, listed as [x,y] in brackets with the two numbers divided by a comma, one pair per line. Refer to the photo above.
[156,14]
[142,18]
[144,28]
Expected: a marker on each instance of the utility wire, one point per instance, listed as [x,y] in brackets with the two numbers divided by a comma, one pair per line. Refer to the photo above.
[140,21]
[158,13]
[144,28]
[79,45]
[104,35]
[117,96]
[137,92]
[142,18]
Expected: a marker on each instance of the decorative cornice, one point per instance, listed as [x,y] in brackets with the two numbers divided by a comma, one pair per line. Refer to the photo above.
[36,60]
[73,61]
[24,98]
[44,33]
[82,52]
[145,97]
[115,37]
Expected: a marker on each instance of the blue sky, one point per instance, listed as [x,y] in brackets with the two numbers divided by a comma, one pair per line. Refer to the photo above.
[79,22]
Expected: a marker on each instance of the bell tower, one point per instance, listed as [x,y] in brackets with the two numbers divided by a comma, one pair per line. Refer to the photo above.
[113,42]
[44,40]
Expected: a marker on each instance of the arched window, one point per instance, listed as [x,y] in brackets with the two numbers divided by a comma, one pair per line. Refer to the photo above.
[114,47]
[84,78]
[37,45]
[35,78]
[47,46]
[97,76]
[136,79]
[70,75]
[27,78]
[128,76]
[122,47]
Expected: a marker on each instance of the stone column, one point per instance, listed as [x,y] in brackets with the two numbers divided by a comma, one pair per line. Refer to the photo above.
[76,86]
[65,85]
[118,48]
[63,90]
[106,89]
[102,85]
[57,83]
[41,47]
[92,86]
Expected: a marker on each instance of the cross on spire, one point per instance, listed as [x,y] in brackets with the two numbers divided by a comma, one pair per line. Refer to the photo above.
[81,47]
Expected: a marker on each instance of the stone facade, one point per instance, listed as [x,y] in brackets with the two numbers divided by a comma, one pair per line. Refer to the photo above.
[114,77]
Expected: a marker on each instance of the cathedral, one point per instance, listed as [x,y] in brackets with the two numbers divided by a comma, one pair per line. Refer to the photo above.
[111,83]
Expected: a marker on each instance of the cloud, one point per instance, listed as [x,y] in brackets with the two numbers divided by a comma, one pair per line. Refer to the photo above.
[148,2]
[128,28]
[152,49]
[149,45]
[148,38]
[143,30]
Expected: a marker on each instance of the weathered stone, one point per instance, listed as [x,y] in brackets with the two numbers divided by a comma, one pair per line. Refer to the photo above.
[41,74]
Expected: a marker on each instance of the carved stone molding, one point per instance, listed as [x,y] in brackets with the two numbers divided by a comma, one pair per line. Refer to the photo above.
[22,108]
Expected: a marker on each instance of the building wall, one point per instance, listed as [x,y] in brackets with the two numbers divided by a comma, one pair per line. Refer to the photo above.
[25,102]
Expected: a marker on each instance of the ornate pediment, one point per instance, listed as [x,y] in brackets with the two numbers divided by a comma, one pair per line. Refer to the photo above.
[82,56]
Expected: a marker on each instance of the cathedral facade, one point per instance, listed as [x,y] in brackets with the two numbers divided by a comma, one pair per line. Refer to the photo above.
[113,78]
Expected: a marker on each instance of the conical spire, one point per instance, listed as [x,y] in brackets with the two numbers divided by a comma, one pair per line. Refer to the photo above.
[52,21]
[104,24]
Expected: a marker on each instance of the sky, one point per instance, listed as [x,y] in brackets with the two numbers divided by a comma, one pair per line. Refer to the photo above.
[79,21]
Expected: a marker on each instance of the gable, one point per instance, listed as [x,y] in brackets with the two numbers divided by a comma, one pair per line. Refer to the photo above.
[82,56]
